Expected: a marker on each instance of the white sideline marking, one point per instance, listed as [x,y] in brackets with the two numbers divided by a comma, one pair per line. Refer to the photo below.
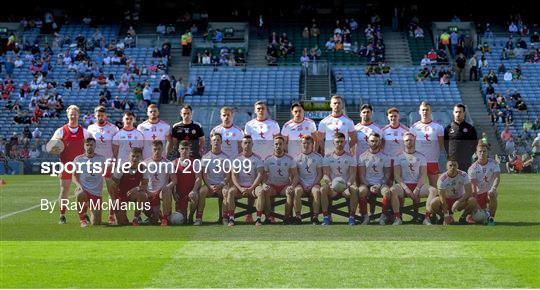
[20,211]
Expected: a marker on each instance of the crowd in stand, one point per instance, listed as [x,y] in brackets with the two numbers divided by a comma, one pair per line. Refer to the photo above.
[27,144]
[279,46]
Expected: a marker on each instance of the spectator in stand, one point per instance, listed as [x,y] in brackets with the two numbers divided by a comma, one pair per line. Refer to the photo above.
[461,61]
[507,76]
[199,83]
[34,153]
[509,145]
[123,87]
[506,134]
[445,80]
[304,59]
[330,45]
[425,61]
[88,119]
[490,77]
[419,32]
[473,69]
[164,89]
[102,101]
[105,92]
[432,55]
[512,28]
[422,74]
[126,104]
[444,40]
[315,31]
[36,134]
[147,94]
[116,104]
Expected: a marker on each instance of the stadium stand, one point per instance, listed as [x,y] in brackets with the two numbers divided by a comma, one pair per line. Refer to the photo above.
[528,86]
[229,85]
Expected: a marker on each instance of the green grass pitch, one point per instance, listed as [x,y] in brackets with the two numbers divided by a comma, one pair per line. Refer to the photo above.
[36,252]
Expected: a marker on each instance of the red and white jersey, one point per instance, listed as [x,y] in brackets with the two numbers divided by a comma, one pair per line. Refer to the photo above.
[91,177]
[339,164]
[295,131]
[484,174]
[332,125]
[277,169]
[125,140]
[374,164]
[263,133]
[362,132]
[231,136]
[247,178]
[410,166]
[159,172]
[427,139]
[455,186]
[393,140]
[307,165]
[214,165]
[152,132]
[104,136]
[59,133]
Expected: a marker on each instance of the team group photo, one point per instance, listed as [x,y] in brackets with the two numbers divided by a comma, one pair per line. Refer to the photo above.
[269,144]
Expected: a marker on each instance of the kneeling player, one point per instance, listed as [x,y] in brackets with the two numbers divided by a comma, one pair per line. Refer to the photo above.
[187,182]
[161,184]
[131,187]
[485,175]
[455,194]
[309,165]
[215,177]
[410,172]
[247,182]
[281,179]
[374,175]
[339,164]
[89,183]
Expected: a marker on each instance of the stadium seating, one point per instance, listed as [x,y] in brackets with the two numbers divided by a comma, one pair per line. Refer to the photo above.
[235,86]
[419,47]
[528,86]
[405,91]
[294,34]
[86,99]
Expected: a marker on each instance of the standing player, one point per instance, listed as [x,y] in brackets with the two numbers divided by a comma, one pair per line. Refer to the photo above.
[232,134]
[337,122]
[215,176]
[103,132]
[374,176]
[485,175]
[460,138]
[309,165]
[455,194]
[262,130]
[190,131]
[296,128]
[154,129]
[410,171]
[365,128]
[161,184]
[126,139]
[72,135]
[246,182]
[429,141]
[339,164]
[392,135]
[89,183]
[281,179]
[187,181]
[131,187]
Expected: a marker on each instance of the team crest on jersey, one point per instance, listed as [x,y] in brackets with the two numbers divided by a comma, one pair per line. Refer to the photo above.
[465,130]
[193,132]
